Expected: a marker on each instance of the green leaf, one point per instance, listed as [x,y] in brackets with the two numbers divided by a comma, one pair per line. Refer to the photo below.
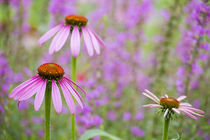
[96,132]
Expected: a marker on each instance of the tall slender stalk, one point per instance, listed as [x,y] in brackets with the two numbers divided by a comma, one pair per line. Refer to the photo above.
[48,93]
[73,70]
[165,129]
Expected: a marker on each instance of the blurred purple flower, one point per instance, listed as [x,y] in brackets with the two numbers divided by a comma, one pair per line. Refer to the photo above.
[136,131]
[28,132]
[127,116]
[37,119]
[111,115]
[139,116]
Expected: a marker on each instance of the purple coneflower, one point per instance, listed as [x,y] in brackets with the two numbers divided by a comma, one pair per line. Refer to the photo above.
[76,25]
[51,75]
[46,83]
[171,105]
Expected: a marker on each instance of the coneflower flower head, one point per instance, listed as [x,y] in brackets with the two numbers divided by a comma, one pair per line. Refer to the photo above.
[52,75]
[77,26]
[170,105]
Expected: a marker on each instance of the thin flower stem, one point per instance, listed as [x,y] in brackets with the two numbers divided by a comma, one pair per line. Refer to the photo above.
[165,129]
[73,125]
[48,93]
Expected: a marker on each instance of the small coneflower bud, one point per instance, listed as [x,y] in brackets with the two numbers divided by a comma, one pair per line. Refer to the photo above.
[50,71]
[76,20]
[169,102]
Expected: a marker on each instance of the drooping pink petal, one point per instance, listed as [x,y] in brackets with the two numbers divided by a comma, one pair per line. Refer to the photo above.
[181,98]
[166,95]
[194,109]
[153,106]
[74,92]
[94,41]
[56,39]
[63,37]
[68,97]
[22,86]
[193,113]
[97,37]
[151,94]
[29,93]
[152,98]
[188,114]
[40,96]
[88,42]
[26,88]
[69,80]
[75,42]
[49,34]
[166,112]
[185,104]
[176,110]
[56,97]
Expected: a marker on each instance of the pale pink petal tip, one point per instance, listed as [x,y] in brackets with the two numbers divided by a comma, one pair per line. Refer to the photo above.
[49,34]
[181,98]
[75,42]
[166,112]
[57,40]
[40,96]
[153,106]
[151,97]
[94,41]
[88,41]
[56,97]
[67,97]
[101,42]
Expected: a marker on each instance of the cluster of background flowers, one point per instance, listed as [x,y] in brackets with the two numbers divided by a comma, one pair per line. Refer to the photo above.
[151,44]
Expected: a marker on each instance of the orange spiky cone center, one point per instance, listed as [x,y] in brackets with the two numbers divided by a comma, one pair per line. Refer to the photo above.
[169,102]
[51,71]
[76,20]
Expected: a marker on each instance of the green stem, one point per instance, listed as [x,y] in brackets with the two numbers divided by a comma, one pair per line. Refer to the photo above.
[165,129]
[73,70]
[48,93]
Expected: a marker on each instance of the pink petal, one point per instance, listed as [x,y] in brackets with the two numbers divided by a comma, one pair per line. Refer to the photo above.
[94,41]
[153,106]
[181,98]
[153,95]
[40,96]
[62,39]
[56,97]
[56,39]
[188,114]
[75,41]
[194,109]
[166,112]
[75,85]
[27,88]
[152,98]
[29,93]
[88,41]
[22,86]
[97,37]
[185,104]
[193,113]
[74,92]
[176,110]
[68,98]
[166,95]
[49,34]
